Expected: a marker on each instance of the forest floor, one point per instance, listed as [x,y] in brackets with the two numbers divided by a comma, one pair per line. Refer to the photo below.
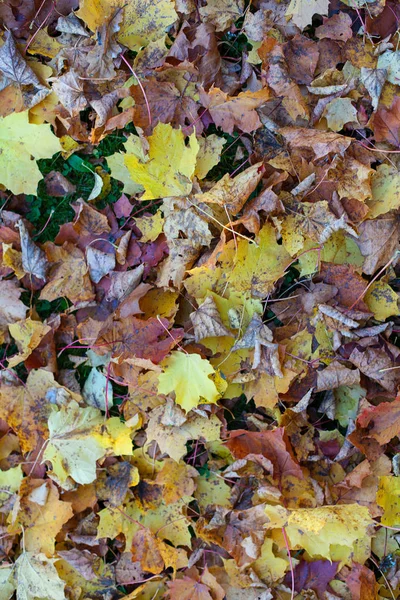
[199,285]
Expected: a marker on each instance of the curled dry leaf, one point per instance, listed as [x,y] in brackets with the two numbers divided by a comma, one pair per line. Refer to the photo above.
[207,321]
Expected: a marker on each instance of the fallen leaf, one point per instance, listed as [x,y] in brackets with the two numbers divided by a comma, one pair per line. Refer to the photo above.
[158,176]
[27,335]
[385,188]
[334,532]
[239,111]
[204,587]
[100,263]
[12,309]
[19,140]
[382,300]
[42,514]
[187,375]
[207,322]
[271,444]
[145,21]
[34,260]
[171,429]
[339,112]
[231,193]
[386,123]
[76,442]
[35,576]
[210,148]
[98,391]
[301,11]
[222,13]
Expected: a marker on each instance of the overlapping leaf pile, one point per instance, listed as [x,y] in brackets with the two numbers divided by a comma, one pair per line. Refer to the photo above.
[199,303]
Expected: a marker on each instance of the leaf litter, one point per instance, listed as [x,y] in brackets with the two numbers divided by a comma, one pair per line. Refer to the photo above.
[199,285]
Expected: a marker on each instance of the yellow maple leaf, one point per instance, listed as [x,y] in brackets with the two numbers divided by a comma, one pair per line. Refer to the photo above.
[168,521]
[79,437]
[382,300]
[41,513]
[331,532]
[134,145]
[95,12]
[385,191]
[209,154]
[143,21]
[170,165]
[269,566]
[256,266]
[27,335]
[188,376]
[19,141]
[146,21]
[150,226]
[388,497]
[171,429]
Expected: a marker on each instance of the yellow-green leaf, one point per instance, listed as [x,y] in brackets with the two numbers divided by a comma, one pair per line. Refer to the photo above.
[79,437]
[19,141]
[188,376]
[331,532]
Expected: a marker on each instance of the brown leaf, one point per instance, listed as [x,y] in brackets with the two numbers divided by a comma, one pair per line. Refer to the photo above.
[320,142]
[23,408]
[122,283]
[259,336]
[378,240]
[82,561]
[70,90]
[231,193]
[113,484]
[68,275]
[57,185]
[386,123]
[17,72]
[271,444]
[136,337]
[350,285]
[301,56]
[280,82]
[267,202]
[207,321]
[167,105]
[11,307]
[89,221]
[378,363]
[239,532]
[181,257]
[337,27]
[335,375]
[229,112]
[34,260]
[196,587]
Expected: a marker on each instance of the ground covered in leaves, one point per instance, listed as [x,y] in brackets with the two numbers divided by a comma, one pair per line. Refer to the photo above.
[199,360]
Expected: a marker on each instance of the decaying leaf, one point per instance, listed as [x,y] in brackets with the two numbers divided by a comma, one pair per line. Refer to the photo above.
[199,304]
